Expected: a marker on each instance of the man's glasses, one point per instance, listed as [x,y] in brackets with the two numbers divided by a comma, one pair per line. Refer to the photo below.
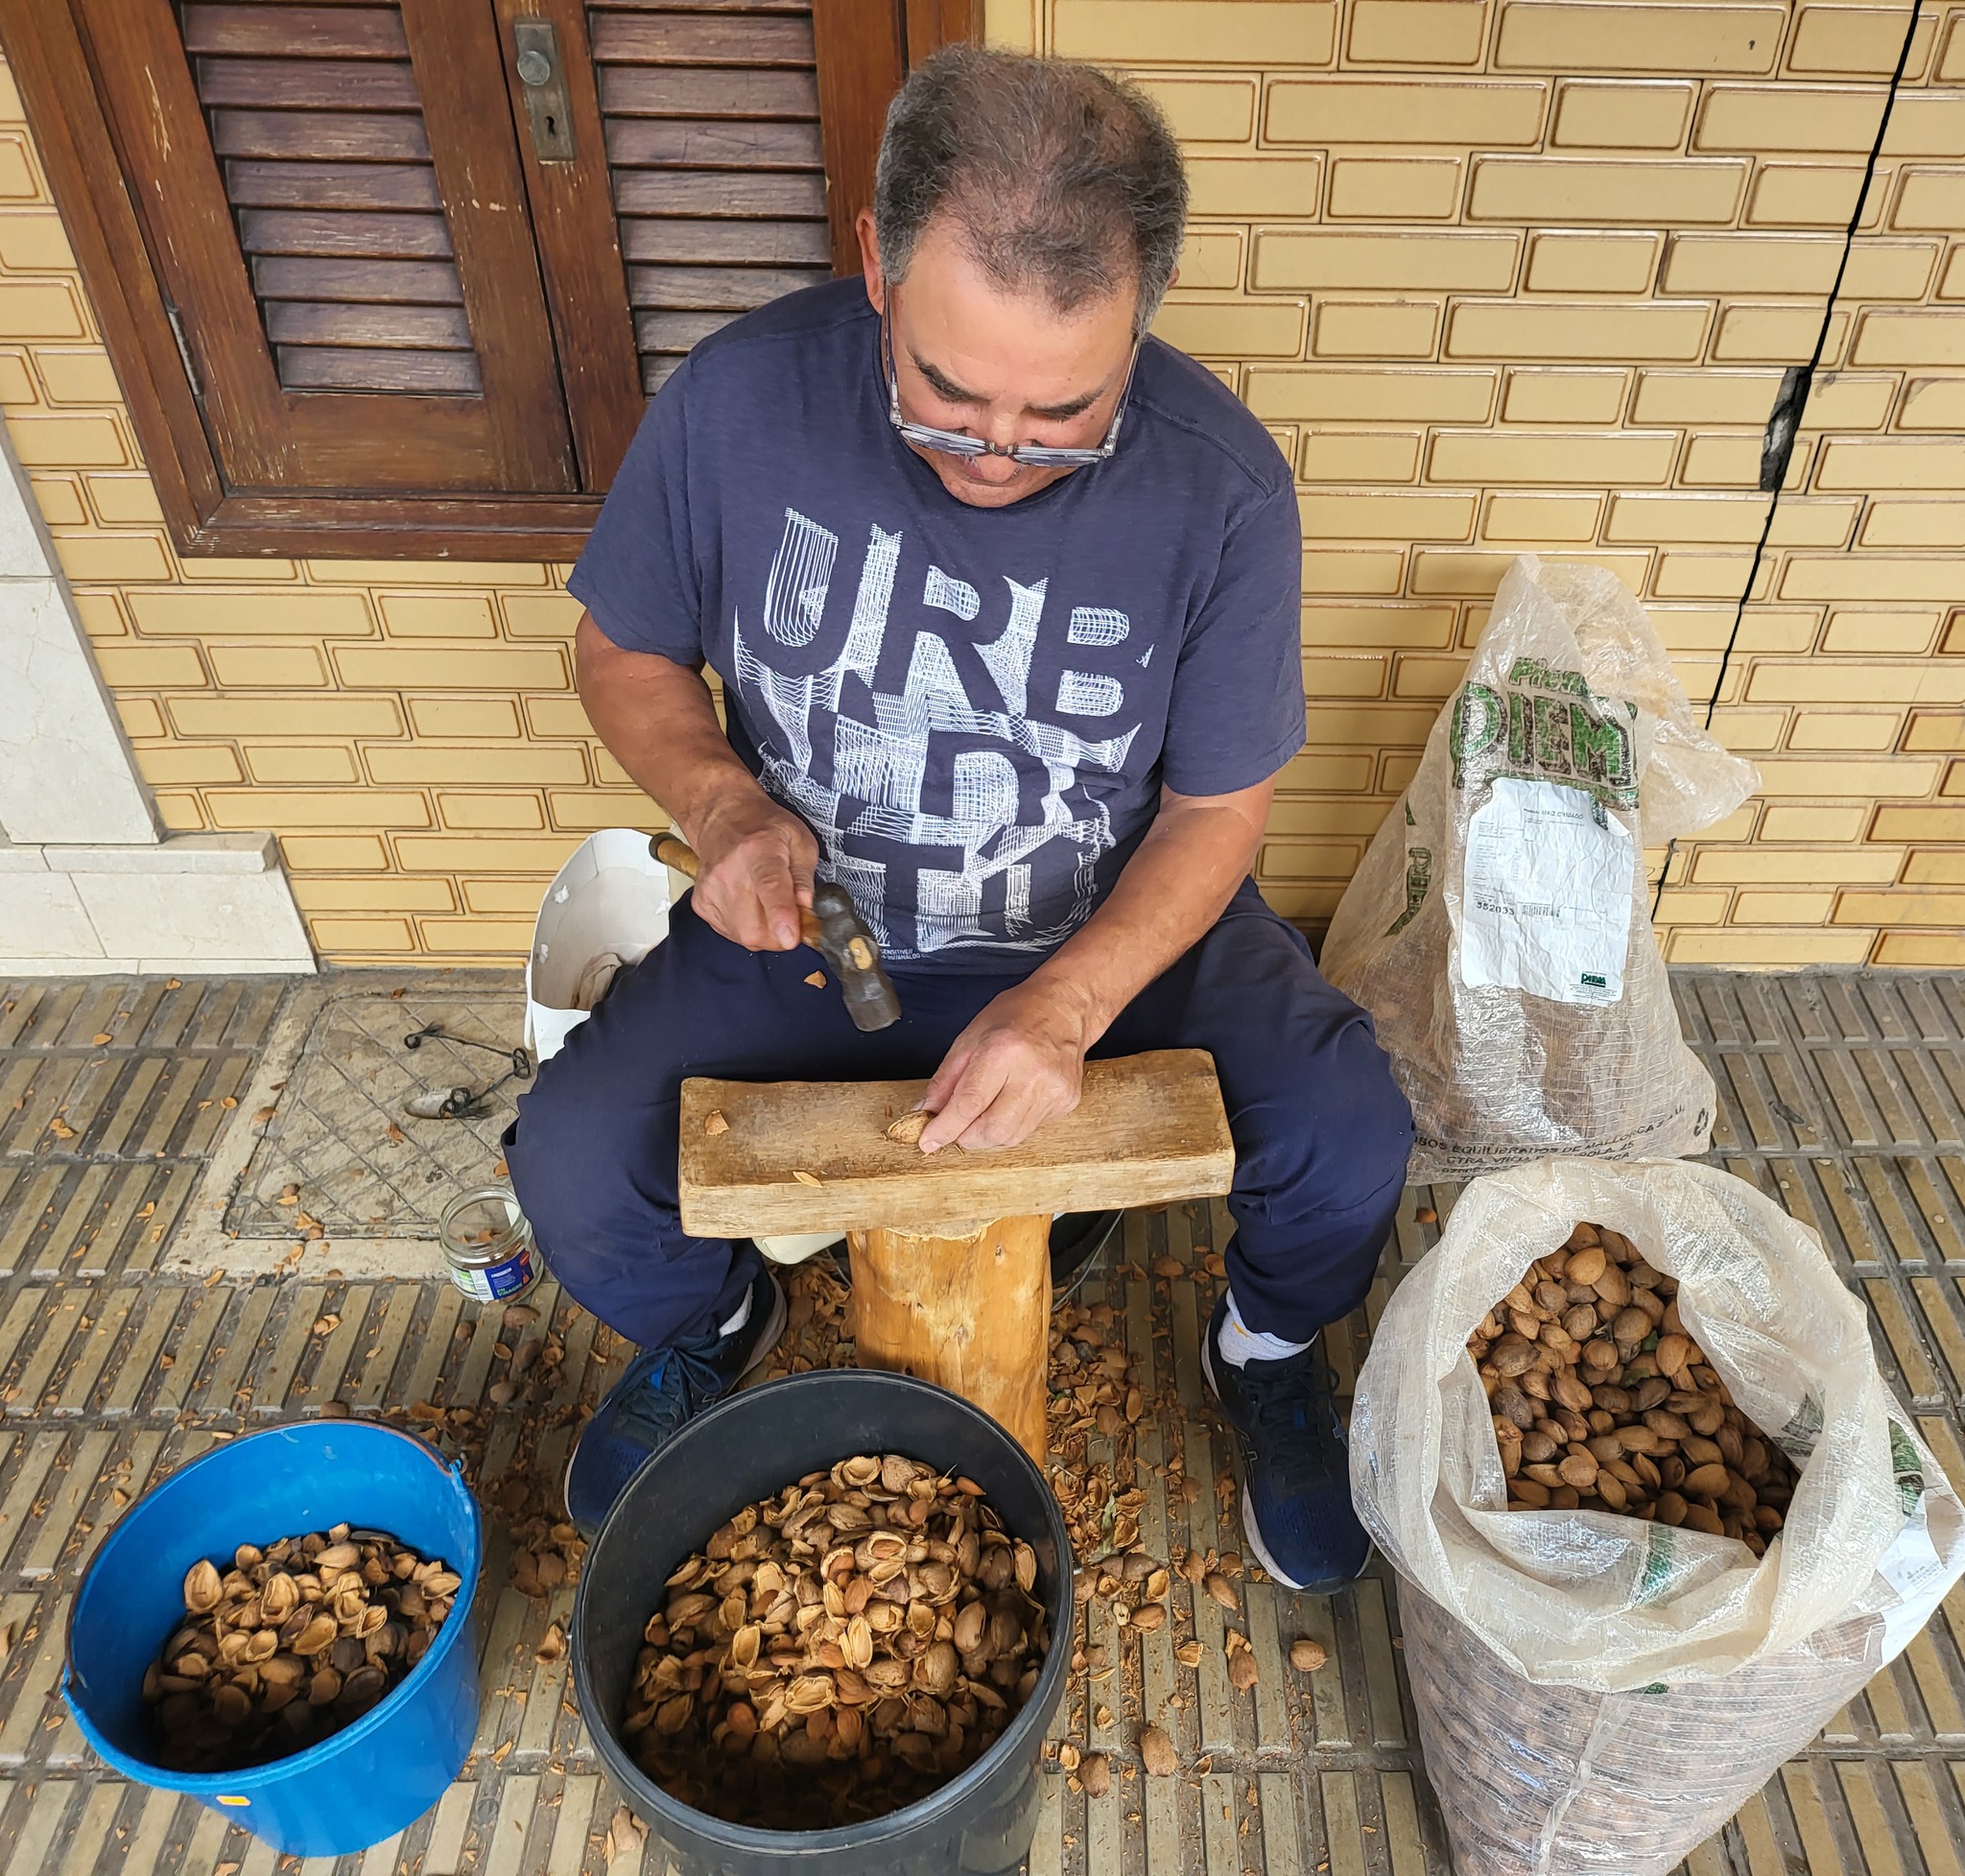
[1029,456]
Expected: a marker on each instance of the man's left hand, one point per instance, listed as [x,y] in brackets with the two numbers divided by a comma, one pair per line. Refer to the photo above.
[1019,1064]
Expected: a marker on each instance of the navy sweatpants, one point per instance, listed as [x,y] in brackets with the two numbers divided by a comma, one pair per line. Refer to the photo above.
[1321,1131]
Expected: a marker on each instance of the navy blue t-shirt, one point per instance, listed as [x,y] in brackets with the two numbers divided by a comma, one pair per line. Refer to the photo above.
[974,710]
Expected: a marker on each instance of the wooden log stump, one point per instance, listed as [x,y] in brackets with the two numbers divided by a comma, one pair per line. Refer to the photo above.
[964,1306]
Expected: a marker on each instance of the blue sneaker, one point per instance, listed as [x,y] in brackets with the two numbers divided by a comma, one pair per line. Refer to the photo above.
[1296,1469]
[663,1390]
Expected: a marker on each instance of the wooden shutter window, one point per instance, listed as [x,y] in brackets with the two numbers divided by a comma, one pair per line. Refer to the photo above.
[317,126]
[361,302]
[711,116]
[474,400]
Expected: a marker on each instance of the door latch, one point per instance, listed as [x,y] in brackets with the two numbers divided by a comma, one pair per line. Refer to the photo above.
[544,81]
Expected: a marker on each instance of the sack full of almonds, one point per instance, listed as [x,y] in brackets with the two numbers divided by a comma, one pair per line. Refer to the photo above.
[1499,927]
[1655,1512]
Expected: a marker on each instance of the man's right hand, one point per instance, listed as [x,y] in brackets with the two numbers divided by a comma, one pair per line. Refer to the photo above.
[658,719]
[756,869]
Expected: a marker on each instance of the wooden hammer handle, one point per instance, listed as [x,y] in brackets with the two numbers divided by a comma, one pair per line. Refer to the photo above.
[671,852]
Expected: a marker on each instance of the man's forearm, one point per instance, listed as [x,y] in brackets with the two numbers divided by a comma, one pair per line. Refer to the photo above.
[1177,883]
[659,721]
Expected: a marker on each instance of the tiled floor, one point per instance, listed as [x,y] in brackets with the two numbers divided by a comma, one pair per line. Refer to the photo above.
[135,1136]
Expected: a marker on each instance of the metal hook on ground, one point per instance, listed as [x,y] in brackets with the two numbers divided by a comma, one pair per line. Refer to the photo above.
[462,1104]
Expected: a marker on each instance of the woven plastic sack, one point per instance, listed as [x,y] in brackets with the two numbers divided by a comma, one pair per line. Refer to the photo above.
[1597,1694]
[1498,927]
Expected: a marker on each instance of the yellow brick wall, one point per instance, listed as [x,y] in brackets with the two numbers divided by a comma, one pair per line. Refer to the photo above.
[1500,275]
[1508,275]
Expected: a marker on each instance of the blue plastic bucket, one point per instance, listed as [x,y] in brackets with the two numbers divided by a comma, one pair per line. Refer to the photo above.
[373,1777]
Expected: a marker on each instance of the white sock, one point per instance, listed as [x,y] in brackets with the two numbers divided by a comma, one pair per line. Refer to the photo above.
[738,1321]
[1238,1342]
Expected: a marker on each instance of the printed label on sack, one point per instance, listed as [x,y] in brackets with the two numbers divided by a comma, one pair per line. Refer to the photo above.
[1546,724]
[1797,1439]
[1547,907]
[1661,1558]
[1418,877]
[1915,1569]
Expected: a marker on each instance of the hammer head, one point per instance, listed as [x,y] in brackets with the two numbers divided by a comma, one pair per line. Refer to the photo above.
[848,947]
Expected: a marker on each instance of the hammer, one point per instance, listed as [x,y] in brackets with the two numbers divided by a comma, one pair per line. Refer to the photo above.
[833,929]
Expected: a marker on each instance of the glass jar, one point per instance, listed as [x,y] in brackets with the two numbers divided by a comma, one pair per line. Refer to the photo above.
[488,1245]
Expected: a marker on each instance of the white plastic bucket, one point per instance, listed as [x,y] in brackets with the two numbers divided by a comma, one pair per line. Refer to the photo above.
[610,900]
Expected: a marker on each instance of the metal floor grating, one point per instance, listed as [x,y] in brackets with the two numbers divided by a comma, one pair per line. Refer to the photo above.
[1842,1096]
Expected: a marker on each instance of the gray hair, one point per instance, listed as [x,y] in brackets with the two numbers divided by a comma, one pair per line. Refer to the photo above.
[1059,177]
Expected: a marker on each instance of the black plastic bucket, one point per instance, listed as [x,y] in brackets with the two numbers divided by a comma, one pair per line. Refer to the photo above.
[752,1446]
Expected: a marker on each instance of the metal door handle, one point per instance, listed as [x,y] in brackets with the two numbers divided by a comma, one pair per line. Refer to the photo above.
[544,81]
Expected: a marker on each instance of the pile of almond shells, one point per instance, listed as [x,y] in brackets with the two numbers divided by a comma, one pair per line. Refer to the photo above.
[839,1651]
[290,1645]
[1602,1400]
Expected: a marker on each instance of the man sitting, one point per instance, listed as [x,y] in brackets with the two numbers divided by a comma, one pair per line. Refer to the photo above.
[1004,595]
